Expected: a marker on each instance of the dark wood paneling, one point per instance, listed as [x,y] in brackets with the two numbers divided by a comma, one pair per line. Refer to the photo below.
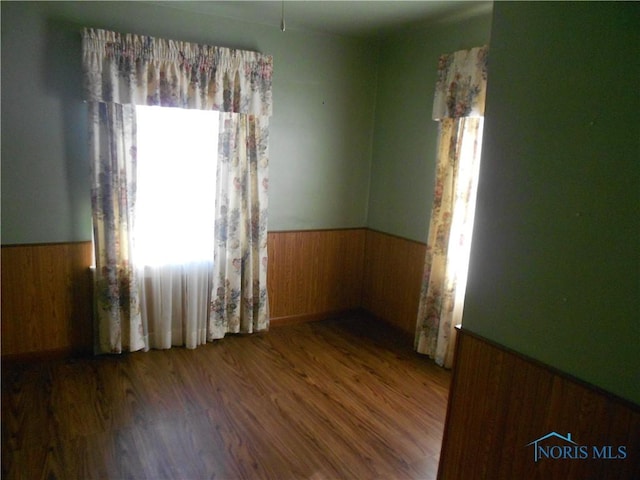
[392,278]
[501,401]
[46,299]
[314,272]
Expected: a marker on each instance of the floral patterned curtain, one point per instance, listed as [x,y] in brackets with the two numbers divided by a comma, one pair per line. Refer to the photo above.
[113,167]
[124,70]
[142,70]
[459,107]
[462,84]
[239,298]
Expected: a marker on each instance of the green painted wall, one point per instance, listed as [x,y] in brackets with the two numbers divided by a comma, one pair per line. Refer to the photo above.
[405,136]
[320,145]
[555,270]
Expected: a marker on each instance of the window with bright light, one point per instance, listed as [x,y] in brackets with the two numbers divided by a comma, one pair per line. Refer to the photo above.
[177,151]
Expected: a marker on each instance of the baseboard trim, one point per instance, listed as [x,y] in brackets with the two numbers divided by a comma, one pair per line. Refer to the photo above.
[44,356]
[312,317]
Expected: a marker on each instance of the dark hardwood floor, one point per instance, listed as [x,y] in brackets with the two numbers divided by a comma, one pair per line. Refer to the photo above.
[339,399]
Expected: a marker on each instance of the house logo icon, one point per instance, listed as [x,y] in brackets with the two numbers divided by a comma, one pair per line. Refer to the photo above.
[568,449]
[555,446]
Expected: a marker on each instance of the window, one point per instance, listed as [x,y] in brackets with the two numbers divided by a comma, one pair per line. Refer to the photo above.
[464,207]
[177,152]
[149,260]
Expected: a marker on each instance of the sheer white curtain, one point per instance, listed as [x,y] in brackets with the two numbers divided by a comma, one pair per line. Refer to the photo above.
[174,302]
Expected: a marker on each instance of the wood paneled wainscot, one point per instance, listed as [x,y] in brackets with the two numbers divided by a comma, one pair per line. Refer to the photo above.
[46,300]
[314,274]
[500,402]
[392,278]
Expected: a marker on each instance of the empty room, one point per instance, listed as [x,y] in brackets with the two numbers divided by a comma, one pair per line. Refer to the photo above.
[320,240]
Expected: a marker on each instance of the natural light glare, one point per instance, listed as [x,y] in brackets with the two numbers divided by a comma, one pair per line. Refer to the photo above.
[463,217]
[176,182]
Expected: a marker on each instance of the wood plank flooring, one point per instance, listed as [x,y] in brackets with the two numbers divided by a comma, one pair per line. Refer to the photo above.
[338,399]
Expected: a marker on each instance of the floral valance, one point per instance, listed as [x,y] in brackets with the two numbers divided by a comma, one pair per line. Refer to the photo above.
[143,70]
[462,84]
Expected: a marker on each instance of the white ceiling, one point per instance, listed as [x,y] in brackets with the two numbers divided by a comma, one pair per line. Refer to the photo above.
[353,18]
